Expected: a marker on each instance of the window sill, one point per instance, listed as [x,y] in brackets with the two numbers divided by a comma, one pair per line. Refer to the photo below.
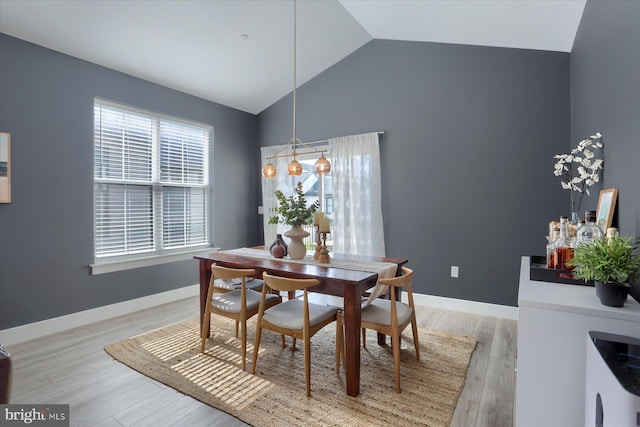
[120,265]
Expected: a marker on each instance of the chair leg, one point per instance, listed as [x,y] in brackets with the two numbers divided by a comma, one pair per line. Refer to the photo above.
[307,363]
[236,329]
[364,338]
[416,343]
[283,343]
[396,359]
[256,347]
[293,346]
[244,344]
[205,329]
[339,341]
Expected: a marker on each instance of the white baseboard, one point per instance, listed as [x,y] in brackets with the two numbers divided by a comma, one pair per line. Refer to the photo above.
[47,327]
[475,307]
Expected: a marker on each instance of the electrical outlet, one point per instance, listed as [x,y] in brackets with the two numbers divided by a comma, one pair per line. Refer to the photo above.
[260,210]
[455,271]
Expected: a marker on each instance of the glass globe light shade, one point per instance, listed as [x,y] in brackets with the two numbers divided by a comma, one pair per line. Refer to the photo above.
[294,168]
[269,170]
[323,165]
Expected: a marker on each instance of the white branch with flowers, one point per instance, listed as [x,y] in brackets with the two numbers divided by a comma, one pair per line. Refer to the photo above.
[580,169]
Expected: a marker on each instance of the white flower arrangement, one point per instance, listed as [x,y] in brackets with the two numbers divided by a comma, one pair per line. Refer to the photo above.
[580,169]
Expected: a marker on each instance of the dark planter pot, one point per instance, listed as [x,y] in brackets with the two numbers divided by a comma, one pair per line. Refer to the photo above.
[611,294]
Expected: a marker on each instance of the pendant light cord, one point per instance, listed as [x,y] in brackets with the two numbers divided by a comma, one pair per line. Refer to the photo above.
[294,76]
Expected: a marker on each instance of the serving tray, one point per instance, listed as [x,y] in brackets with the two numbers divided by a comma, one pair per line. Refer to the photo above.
[538,271]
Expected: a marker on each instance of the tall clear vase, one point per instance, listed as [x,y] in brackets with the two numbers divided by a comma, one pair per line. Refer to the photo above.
[573,226]
[574,218]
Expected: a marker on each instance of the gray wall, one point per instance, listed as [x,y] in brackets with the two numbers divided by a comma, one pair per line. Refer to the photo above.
[467,154]
[46,233]
[605,97]
[470,133]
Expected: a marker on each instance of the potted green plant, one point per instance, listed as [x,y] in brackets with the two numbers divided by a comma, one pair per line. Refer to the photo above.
[611,264]
[293,211]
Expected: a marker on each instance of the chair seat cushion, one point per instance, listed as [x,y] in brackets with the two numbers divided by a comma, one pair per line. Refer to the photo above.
[289,314]
[379,311]
[231,301]
[234,284]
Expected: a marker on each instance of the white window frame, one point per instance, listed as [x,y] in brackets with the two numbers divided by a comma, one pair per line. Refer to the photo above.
[159,255]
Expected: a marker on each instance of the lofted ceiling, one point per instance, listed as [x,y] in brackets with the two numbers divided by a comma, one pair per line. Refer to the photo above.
[240,53]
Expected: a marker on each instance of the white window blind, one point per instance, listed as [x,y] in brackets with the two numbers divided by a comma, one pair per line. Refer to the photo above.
[150,183]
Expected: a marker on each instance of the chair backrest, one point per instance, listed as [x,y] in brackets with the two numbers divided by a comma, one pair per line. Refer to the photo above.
[403,281]
[225,273]
[286,284]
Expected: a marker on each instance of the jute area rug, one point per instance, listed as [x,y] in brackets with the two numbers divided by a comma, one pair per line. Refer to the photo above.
[275,396]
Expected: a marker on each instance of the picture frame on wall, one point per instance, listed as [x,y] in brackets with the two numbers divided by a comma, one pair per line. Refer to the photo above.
[606,207]
[5,167]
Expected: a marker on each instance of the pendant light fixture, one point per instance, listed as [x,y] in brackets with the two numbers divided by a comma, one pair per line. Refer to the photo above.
[292,149]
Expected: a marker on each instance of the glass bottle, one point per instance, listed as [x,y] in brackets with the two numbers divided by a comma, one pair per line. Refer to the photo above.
[554,232]
[563,251]
[611,232]
[551,259]
[589,231]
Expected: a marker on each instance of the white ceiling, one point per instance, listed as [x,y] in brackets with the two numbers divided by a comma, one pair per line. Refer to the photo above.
[195,46]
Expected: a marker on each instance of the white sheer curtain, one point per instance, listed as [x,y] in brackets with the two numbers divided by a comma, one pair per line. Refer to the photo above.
[357,203]
[282,182]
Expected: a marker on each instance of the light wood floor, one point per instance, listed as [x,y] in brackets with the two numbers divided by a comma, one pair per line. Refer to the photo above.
[72,367]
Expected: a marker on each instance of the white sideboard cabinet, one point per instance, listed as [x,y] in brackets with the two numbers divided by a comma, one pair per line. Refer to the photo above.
[553,323]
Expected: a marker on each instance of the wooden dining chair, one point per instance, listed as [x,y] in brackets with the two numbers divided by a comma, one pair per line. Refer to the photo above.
[295,318]
[239,305]
[222,286]
[391,317]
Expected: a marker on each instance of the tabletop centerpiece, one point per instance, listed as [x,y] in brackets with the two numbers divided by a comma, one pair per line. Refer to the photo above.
[293,211]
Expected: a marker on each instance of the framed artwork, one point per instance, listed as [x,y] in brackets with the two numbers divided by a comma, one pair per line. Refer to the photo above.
[5,167]
[606,207]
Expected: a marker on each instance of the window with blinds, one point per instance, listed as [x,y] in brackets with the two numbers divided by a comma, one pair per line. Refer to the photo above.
[151,184]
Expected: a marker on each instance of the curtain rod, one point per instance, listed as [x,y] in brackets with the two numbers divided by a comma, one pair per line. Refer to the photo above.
[324,141]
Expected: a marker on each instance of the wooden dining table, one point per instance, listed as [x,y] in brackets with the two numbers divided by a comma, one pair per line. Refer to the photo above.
[349,284]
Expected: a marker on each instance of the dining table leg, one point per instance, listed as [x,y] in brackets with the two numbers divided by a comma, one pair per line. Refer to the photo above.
[205,278]
[352,313]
